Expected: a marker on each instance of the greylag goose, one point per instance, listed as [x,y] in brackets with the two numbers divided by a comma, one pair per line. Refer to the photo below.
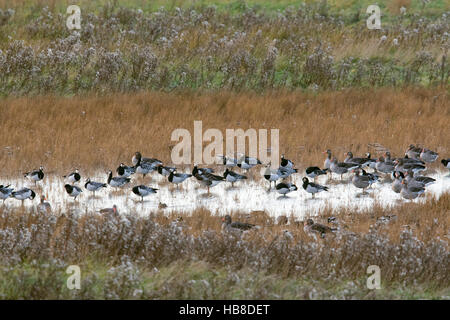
[428,155]
[397,183]
[400,165]
[312,188]
[138,157]
[342,167]
[410,193]
[227,224]
[312,228]
[43,206]
[360,181]
[384,167]
[418,181]
[359,161]
[413,151]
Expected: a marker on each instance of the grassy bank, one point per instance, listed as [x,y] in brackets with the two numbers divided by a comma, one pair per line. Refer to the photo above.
[311,46]
[157,256]
[97,133]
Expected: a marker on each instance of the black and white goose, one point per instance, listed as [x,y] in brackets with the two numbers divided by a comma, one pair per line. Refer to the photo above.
[313,172]
[372,176]
[229,162]
[312,188]
[196,171]
[286,163]
[271,175]
[247,163]
[143,191]
[36,175]
[144,168]
[117,182]
[446,163]
[232,176]
[209,180]
[285,187]
[5,192]
[165,171]
[175,177]
[73,177]
[125,171]
[73,191]
[285,172]
[94,186]
[372,163]
[138,157]
[23,194]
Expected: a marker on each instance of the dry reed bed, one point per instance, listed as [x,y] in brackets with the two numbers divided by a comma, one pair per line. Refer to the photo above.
[97,133]
[408,256]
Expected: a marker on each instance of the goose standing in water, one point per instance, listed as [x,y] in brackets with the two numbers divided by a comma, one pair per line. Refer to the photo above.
[165,171]
[286,163]
[247,163]
[73,191]
[117,182]
[125,171]
[144,168]
[143,191]
[5,192]
[138,157]
[342,167]
[227,224]
[397,183]
[94,186]
[206,178]
[312,188]
[271,175]
[360,181]
[412,192]
[327,162]
[418,181]
[23,194]
[284,188]
[44,207]
[314,172]
[384,167]
[232,176]
[177,178]
[73,177]
[36,175]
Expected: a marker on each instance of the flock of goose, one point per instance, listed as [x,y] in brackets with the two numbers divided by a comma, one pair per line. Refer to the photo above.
[405,172]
